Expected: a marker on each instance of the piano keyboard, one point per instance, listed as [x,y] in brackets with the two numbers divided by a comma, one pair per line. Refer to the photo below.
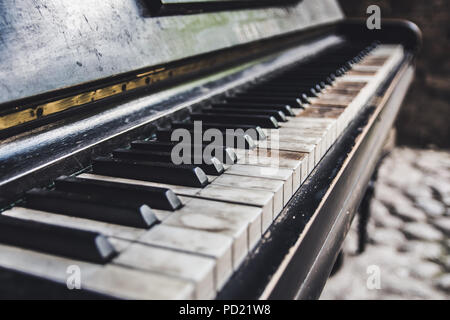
[140,227]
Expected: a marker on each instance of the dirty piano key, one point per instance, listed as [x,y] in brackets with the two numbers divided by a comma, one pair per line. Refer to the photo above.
[185,175]
[322,112]
[307,135]
[259,120]
[132,234]
[285,96]
[205,286]
[156,198]
[104,228]
[255,132]
[278,115]
[102,208]
[285,108]
[293,146]
[259,198]
[224,154]
[258,183]
[241,223]
[296,161]
[283,174]
[210,165]
[68,242]
[198,242]
[111,280]
[320,124]
[171,263]
[292,102]
[289,91]
[282,136]
[239,141]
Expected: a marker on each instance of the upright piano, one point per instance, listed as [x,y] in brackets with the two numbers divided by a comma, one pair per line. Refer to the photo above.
[181,149]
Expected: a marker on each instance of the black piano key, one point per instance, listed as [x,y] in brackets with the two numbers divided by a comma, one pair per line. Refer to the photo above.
[339,72]
[155,197]
[92,206]
[302,97]
[238,141]
[72,243]
[262,121]
[291,102]
[278,115]
[228,140]
[290,86]
[253,131]
[227,155]
[208,164]
[311,92]
[184,175]
[309,75]
[285,108]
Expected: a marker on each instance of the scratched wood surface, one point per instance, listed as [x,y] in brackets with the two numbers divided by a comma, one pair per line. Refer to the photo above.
[51,44]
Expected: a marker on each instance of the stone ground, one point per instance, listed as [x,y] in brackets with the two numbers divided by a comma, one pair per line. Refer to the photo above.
[408,254]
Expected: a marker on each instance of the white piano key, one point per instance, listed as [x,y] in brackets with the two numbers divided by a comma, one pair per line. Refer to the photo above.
[108,229]
[203,243]
[296,161]
[258,183]
[235,213]
[171,263]
[111,280]
[317,142]
[283,174]
[204,218]
[329,125]
[294,147]
[259,198]
[135,284]
[326,134]
[119,244]
[320,136]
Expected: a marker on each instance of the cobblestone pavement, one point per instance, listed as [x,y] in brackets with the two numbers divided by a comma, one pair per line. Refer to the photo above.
[408,255]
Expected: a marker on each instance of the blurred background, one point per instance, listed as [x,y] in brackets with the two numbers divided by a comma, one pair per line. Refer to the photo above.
[409,228]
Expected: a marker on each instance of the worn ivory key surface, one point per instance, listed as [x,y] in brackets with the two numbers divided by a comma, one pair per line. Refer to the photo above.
[195,268]
[112,280]
[204,243]
[241,223]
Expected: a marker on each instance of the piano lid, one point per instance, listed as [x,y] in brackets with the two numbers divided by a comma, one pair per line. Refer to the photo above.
[49,45]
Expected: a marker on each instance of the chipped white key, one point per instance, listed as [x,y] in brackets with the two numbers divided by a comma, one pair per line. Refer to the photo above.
[197,269]
[203,243]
